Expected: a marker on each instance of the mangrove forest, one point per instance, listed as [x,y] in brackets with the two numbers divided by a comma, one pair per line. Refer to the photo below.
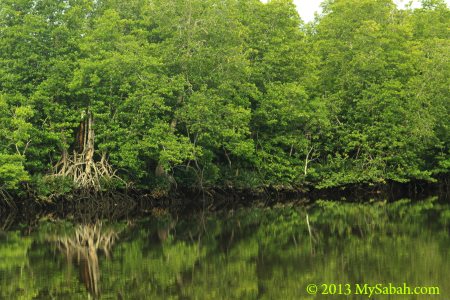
[156,96]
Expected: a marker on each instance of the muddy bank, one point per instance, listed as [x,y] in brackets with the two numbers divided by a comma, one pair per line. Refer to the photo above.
[123,204]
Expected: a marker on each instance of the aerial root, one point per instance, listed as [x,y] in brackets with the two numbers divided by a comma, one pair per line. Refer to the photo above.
[84,171]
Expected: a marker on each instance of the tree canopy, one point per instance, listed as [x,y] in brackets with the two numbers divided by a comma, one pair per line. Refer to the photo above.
[230,93]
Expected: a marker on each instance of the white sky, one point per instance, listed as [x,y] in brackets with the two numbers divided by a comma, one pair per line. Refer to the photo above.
[307,8]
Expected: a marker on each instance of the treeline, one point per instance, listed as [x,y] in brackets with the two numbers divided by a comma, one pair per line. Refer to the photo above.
[165,94]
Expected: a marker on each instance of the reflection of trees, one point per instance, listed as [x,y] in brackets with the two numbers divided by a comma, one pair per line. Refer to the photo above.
[251,254]
[14,267]
[83,247]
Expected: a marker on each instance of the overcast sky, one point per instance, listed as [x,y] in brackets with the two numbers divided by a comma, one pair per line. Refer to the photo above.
[307,8]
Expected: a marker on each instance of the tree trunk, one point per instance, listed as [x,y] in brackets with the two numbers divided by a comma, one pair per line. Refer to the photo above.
[89,148]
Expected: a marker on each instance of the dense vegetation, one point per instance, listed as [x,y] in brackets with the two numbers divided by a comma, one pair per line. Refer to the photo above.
[233,93]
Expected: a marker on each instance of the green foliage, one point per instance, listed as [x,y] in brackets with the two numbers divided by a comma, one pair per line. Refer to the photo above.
[226,93]
[15,134]
[47,188]
[385,128]
[11,171]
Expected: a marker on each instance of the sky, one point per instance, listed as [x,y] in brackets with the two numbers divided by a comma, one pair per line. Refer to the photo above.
[306,8]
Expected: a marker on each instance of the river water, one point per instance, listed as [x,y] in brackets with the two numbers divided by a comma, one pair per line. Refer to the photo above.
[282,252]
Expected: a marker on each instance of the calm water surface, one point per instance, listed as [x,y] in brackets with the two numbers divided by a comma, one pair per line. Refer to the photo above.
[257,253]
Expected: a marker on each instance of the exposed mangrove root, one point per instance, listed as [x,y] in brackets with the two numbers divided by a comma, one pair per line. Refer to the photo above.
[7,199]
[6,220]
[85,172]
[80,167]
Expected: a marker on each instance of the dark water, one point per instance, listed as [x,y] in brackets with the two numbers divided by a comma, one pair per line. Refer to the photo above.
[257,253]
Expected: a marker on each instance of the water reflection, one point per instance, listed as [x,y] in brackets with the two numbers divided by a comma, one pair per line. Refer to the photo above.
[258,253]
[82,247]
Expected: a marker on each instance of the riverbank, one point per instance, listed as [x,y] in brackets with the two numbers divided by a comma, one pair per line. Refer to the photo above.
[119,204]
